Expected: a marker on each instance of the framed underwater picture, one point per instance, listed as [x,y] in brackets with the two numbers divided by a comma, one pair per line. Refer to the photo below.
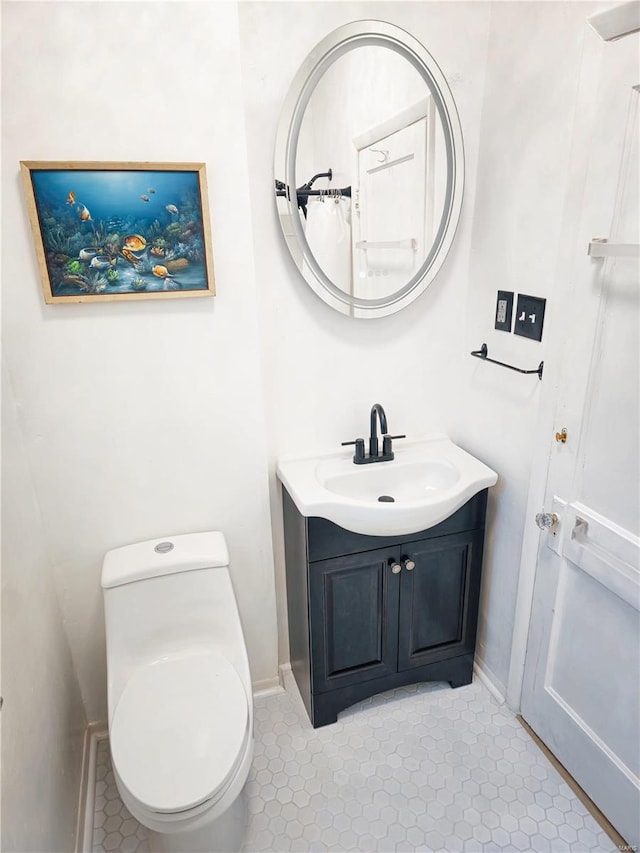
[107,231]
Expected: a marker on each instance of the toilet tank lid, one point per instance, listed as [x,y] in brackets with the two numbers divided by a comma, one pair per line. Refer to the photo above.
[167,556]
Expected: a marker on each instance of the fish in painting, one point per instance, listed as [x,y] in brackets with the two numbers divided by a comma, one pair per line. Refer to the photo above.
[150,190]
[83,212]
[87,253]
[71,197]
[161,272]
[145,198]
[172,209]
[134,242]
[101,262]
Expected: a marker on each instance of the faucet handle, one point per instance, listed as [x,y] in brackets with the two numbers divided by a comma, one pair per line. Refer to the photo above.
[386,443]
[359,454]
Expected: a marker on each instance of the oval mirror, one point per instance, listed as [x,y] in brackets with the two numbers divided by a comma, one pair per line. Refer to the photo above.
[369,169]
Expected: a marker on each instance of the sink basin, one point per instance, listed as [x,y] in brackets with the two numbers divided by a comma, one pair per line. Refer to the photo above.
[401,482]
[428,481]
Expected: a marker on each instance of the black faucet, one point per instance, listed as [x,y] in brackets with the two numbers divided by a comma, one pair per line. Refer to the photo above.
[376,409]
[359,457]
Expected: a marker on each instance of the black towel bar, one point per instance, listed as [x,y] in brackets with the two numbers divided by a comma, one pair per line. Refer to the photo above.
[483,353]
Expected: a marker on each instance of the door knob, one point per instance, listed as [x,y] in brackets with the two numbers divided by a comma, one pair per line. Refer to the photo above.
[395,567]
[408,563]
[548,521]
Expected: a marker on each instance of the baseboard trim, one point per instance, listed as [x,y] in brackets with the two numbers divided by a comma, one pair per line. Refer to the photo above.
[82,793]
[488,680]
[86,801]
[289,683]
[267,687]
[272,686]
[283,671]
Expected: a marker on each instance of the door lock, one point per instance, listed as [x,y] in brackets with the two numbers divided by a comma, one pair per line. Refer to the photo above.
[562,436]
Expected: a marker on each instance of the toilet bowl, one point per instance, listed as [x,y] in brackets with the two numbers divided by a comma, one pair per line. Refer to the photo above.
[179,691]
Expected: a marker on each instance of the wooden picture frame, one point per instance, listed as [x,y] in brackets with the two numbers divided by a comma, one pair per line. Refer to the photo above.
[120,231]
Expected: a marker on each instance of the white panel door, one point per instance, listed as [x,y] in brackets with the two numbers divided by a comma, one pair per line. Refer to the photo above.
[389,247]
[581,690]
[394,212]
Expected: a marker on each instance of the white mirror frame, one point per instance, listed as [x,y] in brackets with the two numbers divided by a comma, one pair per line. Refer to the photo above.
[326,52]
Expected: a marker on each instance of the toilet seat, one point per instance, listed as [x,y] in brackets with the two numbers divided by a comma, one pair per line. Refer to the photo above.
[179,731]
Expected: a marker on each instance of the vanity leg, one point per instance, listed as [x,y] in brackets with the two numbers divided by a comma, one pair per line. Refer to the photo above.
[460,682]
[461,671]
[325,711]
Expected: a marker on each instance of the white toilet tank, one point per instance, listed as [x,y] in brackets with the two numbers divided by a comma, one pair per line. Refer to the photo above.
[169,597]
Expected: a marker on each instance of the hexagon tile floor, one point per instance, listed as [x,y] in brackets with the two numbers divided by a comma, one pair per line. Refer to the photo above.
[113,826]
[422,768]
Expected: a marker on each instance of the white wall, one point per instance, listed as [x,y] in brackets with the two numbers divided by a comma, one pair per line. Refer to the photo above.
[150,418]
[140,419]
[533,69]
[323,371]
[42,717]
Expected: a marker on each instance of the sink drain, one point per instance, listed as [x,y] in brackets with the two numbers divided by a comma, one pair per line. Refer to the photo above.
[386,499]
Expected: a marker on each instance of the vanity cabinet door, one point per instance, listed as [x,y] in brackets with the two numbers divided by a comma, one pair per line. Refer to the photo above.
[439,599]
[354,618]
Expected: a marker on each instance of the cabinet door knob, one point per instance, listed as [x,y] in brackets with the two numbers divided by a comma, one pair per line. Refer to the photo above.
[395,567]
[408,563]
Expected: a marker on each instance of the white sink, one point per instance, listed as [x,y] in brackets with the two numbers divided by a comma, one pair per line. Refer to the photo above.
[429,480]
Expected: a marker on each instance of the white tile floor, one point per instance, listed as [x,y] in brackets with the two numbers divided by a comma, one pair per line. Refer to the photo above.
[421,768]
[113,826]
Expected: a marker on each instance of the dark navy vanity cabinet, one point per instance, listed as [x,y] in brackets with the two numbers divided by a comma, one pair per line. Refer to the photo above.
[370,613]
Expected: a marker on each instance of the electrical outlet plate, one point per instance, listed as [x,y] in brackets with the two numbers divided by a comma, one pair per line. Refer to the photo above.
[530,316]
[504,310]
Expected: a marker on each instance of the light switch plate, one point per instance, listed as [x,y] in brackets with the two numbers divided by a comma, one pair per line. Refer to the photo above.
[530,316]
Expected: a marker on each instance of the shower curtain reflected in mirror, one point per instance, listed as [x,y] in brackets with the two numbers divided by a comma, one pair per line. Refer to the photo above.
[328,233]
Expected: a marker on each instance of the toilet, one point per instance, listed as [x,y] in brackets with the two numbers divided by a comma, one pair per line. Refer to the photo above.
[179,691]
